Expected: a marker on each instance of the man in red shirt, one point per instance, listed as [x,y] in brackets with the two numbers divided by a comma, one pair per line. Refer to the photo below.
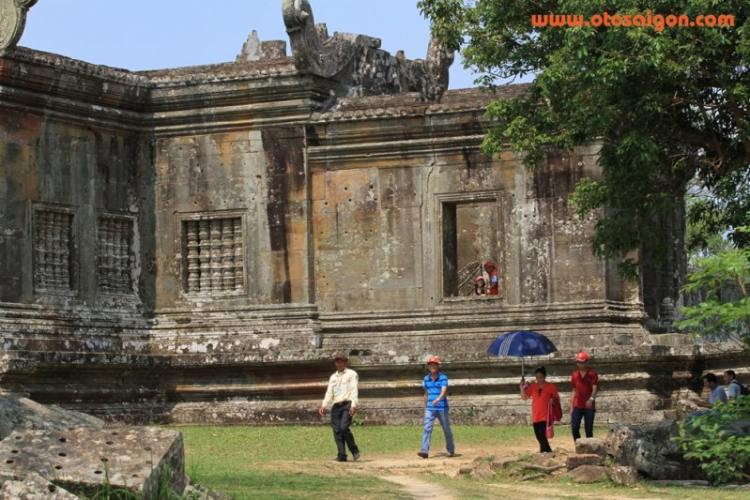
[493,278]
[585,383]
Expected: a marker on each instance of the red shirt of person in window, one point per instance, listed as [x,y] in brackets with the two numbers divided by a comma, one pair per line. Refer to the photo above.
[493,285]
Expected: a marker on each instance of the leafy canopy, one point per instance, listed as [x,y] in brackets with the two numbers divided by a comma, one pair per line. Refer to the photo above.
[726,270]
[669,107]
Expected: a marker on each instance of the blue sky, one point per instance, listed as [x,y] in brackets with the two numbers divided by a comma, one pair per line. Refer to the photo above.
[156,34]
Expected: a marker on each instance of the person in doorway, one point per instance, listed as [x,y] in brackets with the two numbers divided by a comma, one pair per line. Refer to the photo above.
[436,407]
[493,278]
[479,286]
[542,394]
[342,394]
[585,384]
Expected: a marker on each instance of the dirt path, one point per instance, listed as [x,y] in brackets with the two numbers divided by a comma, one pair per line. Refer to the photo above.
[418,489]
[530,492]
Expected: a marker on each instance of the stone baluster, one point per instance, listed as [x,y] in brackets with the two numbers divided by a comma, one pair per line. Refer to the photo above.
[239,268]
[40,243]
[65,230]
[227,254]
[216,258]
[121,246]
[204,249]
[57,277]
[102,252]
[193,257]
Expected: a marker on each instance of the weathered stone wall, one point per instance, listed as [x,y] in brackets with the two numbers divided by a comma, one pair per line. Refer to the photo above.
[384,219]
[76,223]
[253,180]
[175,241]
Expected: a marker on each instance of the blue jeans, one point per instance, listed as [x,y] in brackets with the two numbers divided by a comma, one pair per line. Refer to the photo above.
[429,420]
[575,422]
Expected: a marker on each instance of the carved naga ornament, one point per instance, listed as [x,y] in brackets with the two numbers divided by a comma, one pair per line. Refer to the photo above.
[357,61]
[12,21]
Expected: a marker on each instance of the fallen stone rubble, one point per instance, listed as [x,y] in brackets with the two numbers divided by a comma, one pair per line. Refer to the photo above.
[628,454]
[51,453]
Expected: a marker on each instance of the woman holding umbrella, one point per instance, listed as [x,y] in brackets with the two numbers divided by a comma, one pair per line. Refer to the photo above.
[543,394]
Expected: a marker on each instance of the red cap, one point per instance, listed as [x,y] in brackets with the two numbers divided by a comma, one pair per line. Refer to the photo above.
[582,356]
[479,278]
[340,356]
[434,359]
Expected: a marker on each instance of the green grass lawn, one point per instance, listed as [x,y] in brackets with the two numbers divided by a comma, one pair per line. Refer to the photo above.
[296,463]
[240,461]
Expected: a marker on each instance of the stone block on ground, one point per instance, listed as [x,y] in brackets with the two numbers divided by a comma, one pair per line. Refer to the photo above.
[591,446]
[547,460]
[649,449]
[81,460]
[34,487]
[502,462]
[18,413]
[483,471]
[685,483]
[623,475]
[578,459]
[199,491]
[588,474]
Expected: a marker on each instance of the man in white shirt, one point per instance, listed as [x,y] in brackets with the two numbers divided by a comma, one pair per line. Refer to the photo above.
[342,394]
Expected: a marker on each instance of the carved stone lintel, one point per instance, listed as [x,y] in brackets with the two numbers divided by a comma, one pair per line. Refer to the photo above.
[357,60]
[12,21]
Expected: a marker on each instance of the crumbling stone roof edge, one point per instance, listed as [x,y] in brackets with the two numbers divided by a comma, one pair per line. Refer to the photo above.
[411,104]
[159,77]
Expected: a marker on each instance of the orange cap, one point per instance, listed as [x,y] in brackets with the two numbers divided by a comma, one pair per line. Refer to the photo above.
[582,356]
[434,359]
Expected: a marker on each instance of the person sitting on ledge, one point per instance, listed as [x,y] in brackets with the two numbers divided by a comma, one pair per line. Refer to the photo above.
[717,395]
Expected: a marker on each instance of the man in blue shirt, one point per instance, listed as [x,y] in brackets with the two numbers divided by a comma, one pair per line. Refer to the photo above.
[734,388]
[436,407]
[716,395]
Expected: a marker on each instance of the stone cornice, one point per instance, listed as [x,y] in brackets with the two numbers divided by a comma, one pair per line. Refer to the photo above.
[352,156]
[185,100]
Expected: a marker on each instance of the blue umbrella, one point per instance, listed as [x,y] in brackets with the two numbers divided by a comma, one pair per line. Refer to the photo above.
[521,343]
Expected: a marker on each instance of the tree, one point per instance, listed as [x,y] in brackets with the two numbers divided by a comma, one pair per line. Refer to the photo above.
[727,270]
[668,106]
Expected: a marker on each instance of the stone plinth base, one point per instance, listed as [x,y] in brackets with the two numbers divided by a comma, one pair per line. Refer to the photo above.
[84,460]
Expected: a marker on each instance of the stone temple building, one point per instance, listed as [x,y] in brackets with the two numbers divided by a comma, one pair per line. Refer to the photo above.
[194,244]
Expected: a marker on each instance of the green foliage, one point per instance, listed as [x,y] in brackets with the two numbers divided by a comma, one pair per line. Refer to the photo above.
[669,108]
[721,456]
[471,411]
[728,268]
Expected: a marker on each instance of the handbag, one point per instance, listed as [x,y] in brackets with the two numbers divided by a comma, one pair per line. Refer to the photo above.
[550,431]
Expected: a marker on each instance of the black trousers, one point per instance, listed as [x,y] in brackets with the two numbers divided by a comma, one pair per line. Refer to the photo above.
[341,422]
[540,431]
